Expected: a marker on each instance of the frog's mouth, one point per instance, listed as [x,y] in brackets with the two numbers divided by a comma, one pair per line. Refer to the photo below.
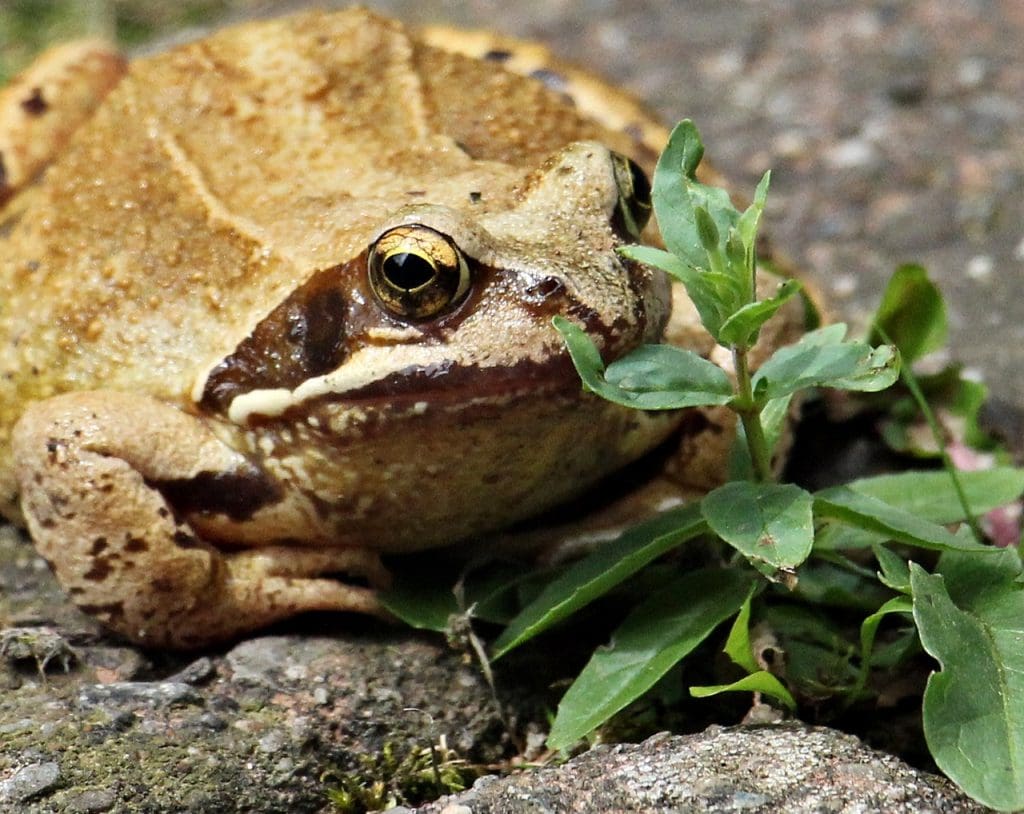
[437,383]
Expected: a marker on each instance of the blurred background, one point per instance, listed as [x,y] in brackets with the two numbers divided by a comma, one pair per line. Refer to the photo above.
[893,127]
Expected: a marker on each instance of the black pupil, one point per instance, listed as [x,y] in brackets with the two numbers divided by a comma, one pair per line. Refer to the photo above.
[407,271]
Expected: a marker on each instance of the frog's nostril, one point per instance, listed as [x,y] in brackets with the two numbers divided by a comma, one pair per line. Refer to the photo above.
[544,289]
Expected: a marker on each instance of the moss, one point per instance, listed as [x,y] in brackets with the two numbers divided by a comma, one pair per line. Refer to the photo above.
[391,778]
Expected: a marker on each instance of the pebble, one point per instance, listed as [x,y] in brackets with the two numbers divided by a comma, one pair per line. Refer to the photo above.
[139,693]
[92,801]
[851,154]
[196,672]
[980,267]
[29,781]
[273,742]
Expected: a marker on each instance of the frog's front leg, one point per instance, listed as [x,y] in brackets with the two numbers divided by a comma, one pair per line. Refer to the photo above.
[112,508]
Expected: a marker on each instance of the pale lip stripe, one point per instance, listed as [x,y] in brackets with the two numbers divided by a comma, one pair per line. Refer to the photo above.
[365,367]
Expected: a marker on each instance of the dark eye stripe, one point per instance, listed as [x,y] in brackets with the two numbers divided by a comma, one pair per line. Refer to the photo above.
[303,337]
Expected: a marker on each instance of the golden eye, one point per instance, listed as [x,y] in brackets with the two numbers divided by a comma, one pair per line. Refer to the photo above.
[416,272]
[634,207]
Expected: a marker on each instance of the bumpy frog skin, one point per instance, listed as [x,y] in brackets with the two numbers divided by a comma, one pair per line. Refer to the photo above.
[283,302]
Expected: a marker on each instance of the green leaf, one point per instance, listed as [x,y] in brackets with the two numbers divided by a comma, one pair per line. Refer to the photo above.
[761,681]
[652,377]
[676,194]
[736,255]
[749,220]
[930,496]
[658,258]
[912,314]
[873,515]
[677,163]
[707,232]
[742,327]
[600,571]
[739,649]
[737,645]
[974,707]
[895,570]
[767,522]
[666,377]
[818,654]
[657,634]
[978,583]
[701,288]
[838,583]
[775,420]
[822,359]
[422,593]
[421,603]
[868,630]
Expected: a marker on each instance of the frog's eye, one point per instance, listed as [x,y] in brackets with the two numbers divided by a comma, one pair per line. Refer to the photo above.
[416,272]
[634,207]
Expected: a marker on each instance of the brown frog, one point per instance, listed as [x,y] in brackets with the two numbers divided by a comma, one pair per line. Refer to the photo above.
[279,300]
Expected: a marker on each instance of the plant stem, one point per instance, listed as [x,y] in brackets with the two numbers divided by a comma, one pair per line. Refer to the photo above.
[750,415]
[910,381]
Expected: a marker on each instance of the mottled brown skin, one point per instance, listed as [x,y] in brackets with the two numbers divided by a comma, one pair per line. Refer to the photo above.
[204,408]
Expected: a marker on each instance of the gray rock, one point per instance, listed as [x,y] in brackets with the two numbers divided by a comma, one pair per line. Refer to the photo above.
[29,781]
[127,695]
[776,769]
[92,801]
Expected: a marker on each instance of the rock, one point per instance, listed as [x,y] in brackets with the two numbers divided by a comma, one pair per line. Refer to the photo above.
[92,801]
[127,695]
[29,781]
[789,768]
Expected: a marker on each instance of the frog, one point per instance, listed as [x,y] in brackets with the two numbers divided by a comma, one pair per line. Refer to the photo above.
[278,302]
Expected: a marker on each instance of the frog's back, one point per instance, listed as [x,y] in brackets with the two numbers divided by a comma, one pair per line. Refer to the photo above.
[218,176]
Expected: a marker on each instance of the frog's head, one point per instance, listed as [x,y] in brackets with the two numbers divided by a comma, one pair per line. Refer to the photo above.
[436,343]
[447,302]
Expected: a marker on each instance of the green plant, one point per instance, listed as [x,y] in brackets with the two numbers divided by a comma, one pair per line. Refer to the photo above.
[390,778]
[890,549]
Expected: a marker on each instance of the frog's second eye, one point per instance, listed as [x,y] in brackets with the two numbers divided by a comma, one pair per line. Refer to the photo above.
[634,207]
[416,272]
